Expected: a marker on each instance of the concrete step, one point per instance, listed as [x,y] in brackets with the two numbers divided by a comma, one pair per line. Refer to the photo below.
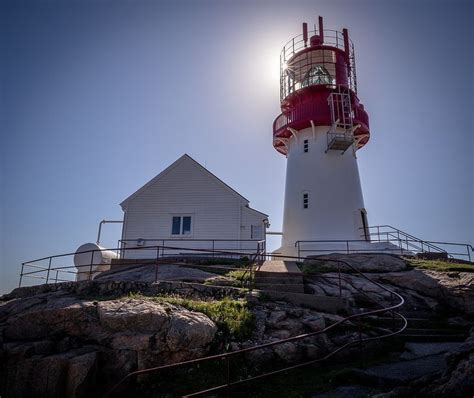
[320,303]
[282,287]
[279,267]
[279,280]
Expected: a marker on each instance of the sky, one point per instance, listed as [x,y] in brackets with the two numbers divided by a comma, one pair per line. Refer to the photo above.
[97,97]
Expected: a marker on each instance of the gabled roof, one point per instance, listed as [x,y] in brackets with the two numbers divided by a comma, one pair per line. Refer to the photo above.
[183,158]
[256,211]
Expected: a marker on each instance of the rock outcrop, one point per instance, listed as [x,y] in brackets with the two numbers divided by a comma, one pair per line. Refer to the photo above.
[53,343]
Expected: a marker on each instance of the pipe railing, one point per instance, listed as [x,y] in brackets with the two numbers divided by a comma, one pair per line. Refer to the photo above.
[404,244]
[259,256]
[226,358]
[48,269]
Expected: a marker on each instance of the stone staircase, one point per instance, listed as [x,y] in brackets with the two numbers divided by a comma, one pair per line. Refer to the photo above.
[283,280]
[278,275]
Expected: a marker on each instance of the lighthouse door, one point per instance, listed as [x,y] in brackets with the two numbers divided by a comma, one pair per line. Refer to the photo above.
[365,226]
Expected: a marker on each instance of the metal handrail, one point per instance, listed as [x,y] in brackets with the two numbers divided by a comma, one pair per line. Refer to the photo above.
[394,235]
[399,231]
[228,355]
[261,247]
[259,255]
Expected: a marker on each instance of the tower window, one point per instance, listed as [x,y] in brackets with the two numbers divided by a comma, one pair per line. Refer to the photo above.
[305,201]
[305,146]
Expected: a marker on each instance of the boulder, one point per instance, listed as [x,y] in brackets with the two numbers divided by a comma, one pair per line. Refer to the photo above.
[133,315]
[192,330]
[52,347]
[362,262]
[287,352]
[315,323]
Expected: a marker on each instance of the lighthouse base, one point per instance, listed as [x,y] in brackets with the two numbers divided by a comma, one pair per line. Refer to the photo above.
[321,248]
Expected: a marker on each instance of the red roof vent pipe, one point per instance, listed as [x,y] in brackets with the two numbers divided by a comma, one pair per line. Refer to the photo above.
[318,40]
[345,33]
[305,33]
[321,30]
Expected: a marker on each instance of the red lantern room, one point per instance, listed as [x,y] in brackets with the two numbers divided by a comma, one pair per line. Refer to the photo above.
[318,87]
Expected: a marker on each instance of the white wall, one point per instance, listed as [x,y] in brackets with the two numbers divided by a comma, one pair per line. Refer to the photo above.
[186,189]
[335,196]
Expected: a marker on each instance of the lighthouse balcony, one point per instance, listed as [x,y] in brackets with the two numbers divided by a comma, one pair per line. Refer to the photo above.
[339,141]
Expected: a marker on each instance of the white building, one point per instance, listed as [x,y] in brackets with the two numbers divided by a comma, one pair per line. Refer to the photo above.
[189,207]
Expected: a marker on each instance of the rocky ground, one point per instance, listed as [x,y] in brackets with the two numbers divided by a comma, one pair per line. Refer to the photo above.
[78,339]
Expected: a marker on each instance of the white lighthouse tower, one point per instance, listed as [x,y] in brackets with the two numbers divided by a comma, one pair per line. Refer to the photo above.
[320,130]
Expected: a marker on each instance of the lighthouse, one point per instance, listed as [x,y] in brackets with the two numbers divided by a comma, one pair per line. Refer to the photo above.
[320,130]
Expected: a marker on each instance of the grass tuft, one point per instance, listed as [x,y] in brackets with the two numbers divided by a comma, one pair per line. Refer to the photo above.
[439,265]
[233,317]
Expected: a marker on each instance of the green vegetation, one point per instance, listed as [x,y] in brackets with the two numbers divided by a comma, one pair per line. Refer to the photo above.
[233,317]
[242,277]
[439,265]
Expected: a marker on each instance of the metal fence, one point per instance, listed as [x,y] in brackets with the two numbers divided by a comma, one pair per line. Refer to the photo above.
[198,247]
[61,267]
[397,242]
[231,371]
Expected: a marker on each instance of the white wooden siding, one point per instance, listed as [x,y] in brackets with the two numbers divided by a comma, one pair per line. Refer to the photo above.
[187,189]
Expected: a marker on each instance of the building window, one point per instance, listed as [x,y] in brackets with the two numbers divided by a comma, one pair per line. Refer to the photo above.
[305,146]
[181,225]
[256,231]
[305,201]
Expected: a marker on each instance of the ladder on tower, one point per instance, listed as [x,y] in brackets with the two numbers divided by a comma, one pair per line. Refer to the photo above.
[340,136]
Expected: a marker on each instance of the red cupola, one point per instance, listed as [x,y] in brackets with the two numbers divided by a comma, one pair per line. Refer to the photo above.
[318,88]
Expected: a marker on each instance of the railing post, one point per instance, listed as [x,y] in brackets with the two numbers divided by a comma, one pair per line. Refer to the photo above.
[90,267]
[156,263]
[360,339]
[347,246]
[468,252]
[393,314]
[56,280]
[228,375]
[213,247]
[339,272]
[21,274]
[49,269]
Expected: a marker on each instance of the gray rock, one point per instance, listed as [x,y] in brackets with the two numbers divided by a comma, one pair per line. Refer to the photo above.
[190,329]
[287,352]
[404,371]
[80,375]
[132,315]
[275,318]
[362,262]
[165,273]
[418,350]
[315,323]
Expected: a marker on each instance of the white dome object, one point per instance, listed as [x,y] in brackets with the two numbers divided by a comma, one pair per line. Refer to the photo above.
[91,259]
